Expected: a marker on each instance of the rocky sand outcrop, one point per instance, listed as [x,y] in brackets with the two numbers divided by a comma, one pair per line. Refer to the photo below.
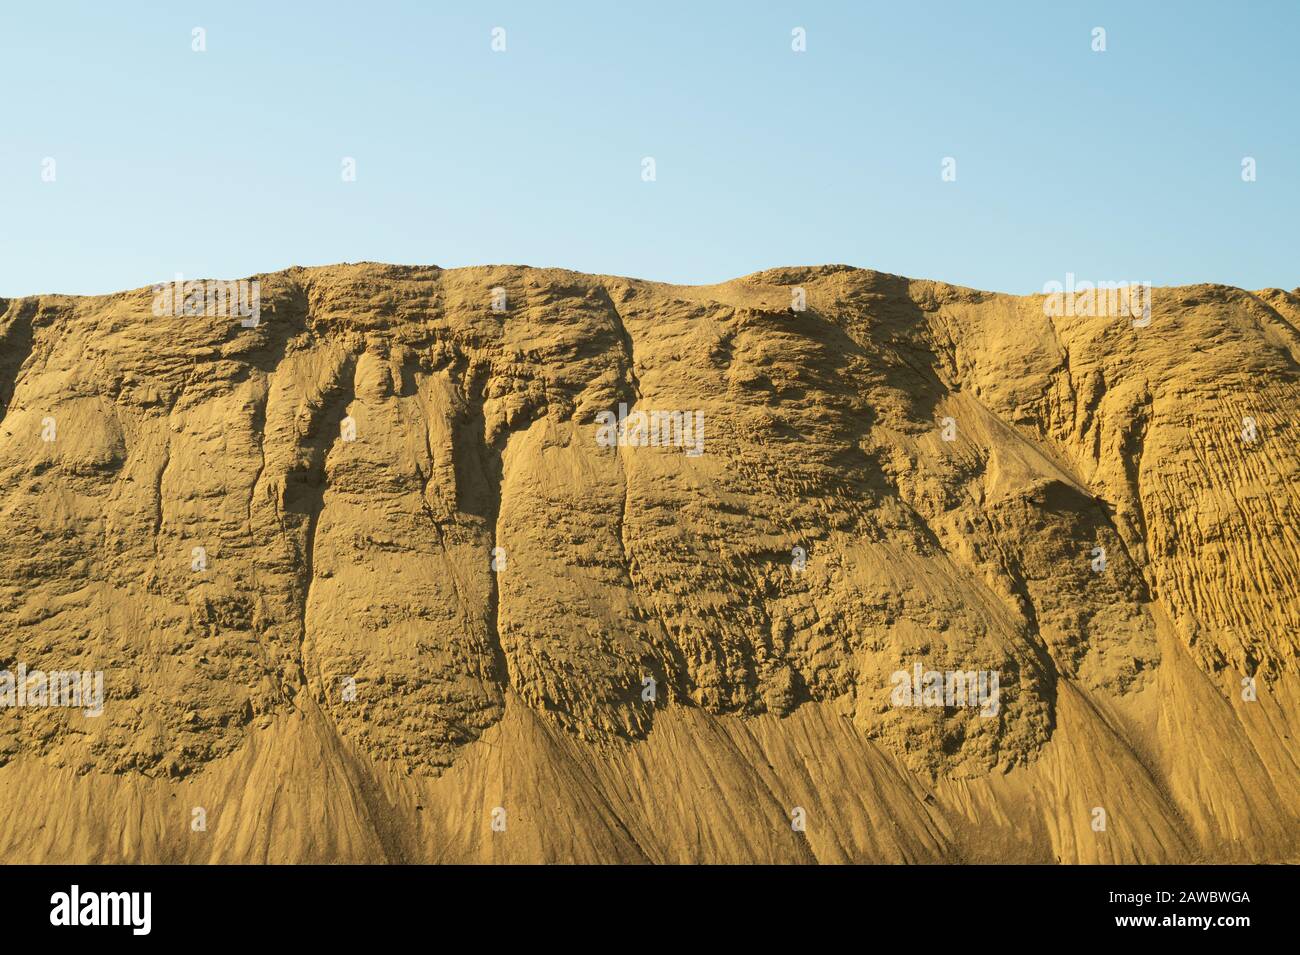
[512,564]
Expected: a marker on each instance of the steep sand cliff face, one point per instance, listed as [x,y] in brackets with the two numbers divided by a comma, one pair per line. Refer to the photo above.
[340,674]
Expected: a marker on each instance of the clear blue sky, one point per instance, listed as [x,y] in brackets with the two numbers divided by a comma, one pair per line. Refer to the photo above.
[1117,165]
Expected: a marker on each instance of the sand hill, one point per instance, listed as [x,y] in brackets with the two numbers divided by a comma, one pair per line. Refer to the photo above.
[595,569]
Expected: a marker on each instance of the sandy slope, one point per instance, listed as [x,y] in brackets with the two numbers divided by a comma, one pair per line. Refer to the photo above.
[332,560]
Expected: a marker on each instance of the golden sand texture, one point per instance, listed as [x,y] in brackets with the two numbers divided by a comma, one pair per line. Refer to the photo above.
[365,582]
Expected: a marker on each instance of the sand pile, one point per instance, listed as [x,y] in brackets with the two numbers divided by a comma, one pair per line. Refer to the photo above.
[508,564]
